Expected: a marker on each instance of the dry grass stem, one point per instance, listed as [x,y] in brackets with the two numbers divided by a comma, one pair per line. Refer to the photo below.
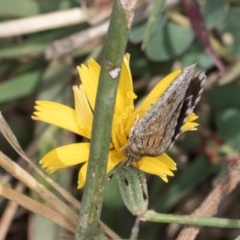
[74,41]
[10,137]
[37,207]
[42,22]
[210,205]
[9,213]
[18,172]
[68,44]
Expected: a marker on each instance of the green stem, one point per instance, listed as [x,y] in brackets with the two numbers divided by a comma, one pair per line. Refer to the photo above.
[191,220]
[156,9]
[113,53]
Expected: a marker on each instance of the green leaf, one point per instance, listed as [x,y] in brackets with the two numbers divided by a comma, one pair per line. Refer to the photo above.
[26,8]
[215,12]
[23,49]
[231,26]
[137,31]
[225,96]
[23,8]
[55,79]
[6,68]
[37,43]
[164,45]
[142,66]
[196,54]
[152,20]
[204,61]
[44,228]
[229,127]
[20,86]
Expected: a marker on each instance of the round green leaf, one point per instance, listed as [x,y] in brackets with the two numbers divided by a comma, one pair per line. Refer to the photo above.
[196,54]
[225,96]
[171,41]
[137,31]
[229,127]
[215,12]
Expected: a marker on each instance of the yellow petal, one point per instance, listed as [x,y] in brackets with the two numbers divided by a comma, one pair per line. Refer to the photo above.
[125,94]
[83,111]
[124,106]
[192,117]
[119,139]
[113,160]
[59,115]
[164,177]
[161,165]
[190,125]
[167,161]
[66,156]
[89,77]
[157,92]
[82,175]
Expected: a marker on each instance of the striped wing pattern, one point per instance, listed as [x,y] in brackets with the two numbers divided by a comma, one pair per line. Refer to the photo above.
[153,134]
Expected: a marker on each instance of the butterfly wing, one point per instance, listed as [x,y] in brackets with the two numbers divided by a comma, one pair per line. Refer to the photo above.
[191,99]
[153,134]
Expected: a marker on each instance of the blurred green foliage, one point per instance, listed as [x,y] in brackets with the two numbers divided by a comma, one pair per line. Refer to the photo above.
[25,76]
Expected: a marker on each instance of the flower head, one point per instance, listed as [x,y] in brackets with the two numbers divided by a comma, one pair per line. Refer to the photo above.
[79,121]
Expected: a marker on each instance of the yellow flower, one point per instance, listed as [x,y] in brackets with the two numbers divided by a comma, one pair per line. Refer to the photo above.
[79,121]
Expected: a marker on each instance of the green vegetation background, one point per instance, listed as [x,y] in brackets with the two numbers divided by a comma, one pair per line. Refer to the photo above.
[26,75]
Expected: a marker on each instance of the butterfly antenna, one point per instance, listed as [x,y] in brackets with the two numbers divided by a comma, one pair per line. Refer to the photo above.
[141,183]
[124,177]
[120,165]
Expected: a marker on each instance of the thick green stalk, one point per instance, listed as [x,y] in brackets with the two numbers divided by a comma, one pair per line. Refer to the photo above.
[113,53]
[193,221]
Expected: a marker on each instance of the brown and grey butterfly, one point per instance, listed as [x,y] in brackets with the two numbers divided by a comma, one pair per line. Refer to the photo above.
[153,134]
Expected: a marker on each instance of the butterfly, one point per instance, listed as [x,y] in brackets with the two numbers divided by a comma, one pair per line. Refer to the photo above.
[155,132]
